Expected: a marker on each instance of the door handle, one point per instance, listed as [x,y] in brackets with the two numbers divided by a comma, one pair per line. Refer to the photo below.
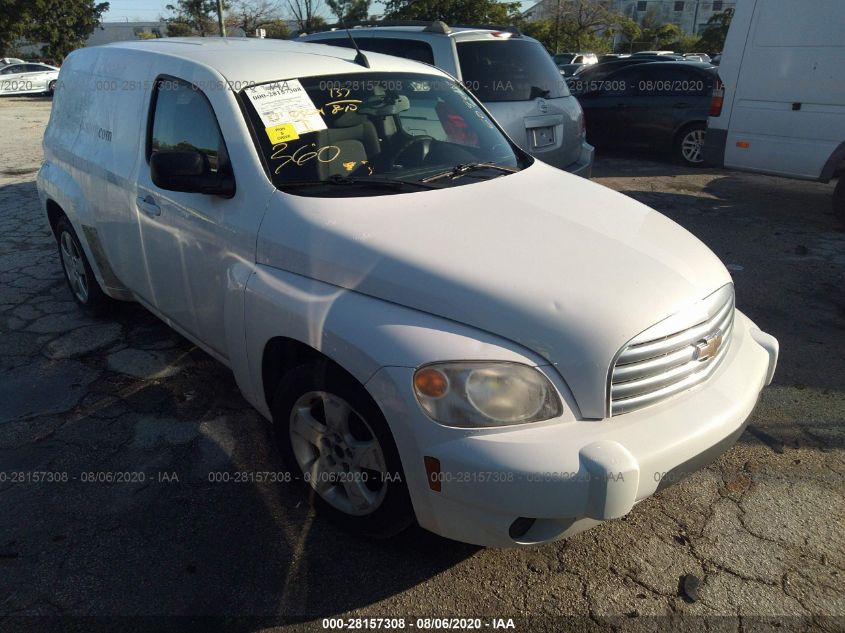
[148,206]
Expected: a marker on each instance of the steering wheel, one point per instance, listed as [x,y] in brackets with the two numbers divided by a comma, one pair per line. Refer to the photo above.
[423,140]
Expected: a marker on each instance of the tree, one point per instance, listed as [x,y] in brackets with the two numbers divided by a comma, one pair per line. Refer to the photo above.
[656,34]
[59,25]
[454,11]
[277,30]
[63,26]
[250,15]
[350,10]
[714,33]
[580,25]
[200,16]
[305,14]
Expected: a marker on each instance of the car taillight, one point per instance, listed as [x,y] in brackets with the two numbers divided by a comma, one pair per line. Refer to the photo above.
[718,98]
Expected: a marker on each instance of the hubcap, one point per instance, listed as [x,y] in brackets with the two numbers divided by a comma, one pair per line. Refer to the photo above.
[692,146]
[74,267]
[338,453]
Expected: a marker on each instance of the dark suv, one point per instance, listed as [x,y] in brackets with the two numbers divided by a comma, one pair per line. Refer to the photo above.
[659,106]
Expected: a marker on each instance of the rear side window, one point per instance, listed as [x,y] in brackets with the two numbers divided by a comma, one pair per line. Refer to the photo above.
[672,81]
[12,70]
[509,70]
[409,49]
[183,119]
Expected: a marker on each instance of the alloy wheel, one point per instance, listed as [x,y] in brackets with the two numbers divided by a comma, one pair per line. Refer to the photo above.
[692,146]
[338,453]
[74,267]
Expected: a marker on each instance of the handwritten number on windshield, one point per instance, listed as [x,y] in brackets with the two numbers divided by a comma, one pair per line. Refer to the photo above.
[304,154]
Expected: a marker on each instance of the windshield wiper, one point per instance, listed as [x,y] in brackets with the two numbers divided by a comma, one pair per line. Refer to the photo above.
[392,183]
[459,170]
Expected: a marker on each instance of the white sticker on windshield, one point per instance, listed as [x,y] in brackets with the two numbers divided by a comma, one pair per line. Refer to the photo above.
[286,102]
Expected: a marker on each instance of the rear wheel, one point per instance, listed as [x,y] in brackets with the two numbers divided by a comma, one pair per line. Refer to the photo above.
[689,146]
[334,438]
[51,87]
[78,273]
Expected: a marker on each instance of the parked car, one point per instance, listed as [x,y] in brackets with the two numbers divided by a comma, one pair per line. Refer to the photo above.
[697,57]
[570,63]
[513,76]
[582,79]
[794,125]
[609,57]
[384,271]
[659,106]
[28,78]
[5,61]
[575,58]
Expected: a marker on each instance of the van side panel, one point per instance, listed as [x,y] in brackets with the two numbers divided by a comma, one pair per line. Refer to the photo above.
[785,94]
[109,143]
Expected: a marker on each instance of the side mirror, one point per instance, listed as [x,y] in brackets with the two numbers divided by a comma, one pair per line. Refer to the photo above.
[189,170]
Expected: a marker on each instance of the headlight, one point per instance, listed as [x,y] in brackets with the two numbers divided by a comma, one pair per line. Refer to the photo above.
[480,394]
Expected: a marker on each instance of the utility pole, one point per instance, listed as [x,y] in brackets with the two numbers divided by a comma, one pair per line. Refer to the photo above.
[220,18]
[695,18]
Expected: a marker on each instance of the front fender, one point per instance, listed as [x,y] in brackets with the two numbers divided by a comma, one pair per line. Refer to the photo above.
[360,333]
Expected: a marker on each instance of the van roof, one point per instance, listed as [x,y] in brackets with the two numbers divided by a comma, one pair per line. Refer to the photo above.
[249,59]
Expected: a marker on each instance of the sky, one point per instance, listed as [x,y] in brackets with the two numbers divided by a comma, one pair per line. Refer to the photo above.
[149,10]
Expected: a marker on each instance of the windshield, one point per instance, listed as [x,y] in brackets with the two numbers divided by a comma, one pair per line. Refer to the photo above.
[372,130]
[509,70]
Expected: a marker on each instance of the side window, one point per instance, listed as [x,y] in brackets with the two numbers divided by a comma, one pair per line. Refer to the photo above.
[409,49]
[184,120]
[12,70]
[672,82]
[34,68]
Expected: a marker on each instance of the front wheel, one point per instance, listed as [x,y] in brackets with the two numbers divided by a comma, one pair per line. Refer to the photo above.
[689,146]
[334,438]
[51,87]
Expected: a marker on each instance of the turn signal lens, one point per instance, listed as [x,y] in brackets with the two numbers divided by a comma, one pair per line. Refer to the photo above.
[743,144]
[431,383]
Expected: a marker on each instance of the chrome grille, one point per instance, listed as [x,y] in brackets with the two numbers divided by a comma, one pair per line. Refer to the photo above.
[674,355]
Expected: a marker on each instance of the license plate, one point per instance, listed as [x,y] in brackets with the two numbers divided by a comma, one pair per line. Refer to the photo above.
[542,136]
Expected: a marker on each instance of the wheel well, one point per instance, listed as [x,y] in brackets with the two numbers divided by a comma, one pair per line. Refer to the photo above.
[686,126]
[54,214]
[281,354]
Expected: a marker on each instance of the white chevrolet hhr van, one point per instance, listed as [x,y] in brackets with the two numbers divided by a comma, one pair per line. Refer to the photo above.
[440,328]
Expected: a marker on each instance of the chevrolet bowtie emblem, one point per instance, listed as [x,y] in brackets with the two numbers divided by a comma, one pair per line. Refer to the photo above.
[708,346]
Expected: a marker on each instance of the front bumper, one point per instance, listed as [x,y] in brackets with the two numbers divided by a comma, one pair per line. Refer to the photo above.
[540,482]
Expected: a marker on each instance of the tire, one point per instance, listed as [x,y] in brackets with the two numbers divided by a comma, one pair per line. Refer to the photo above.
[344,479]
[839,199]
[51,88]
[689,145]
[80,278]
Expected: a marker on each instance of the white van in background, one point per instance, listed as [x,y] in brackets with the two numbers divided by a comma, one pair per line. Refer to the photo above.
[781,108]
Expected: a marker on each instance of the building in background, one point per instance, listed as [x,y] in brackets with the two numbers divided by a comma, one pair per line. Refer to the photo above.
[108,32]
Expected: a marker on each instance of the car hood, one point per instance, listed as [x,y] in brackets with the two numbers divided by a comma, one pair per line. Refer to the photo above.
[563,266]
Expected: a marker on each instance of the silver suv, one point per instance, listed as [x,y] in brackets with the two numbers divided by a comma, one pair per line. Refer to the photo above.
[512,75]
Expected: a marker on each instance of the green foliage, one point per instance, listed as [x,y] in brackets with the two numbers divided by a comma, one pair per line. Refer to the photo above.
[350,10]
[581,25]
[655,34]
[177,27]
[200,16]
[277,30]
[59,25]
[453,11]
[714,34]
[687,44]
